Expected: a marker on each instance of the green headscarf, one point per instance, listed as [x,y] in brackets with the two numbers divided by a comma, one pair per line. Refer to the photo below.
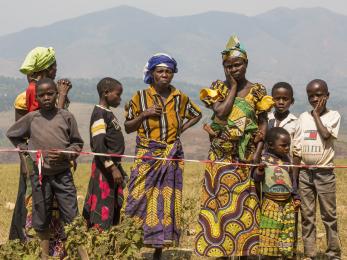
[234,49]
[38,59]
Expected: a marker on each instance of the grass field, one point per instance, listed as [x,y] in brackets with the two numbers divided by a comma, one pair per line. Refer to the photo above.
[192,182]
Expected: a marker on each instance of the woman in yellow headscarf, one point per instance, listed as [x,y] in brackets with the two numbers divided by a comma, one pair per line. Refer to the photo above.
[229,217]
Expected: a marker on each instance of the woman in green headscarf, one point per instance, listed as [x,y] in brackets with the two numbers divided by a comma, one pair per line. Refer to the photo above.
[41,63]
[229,216]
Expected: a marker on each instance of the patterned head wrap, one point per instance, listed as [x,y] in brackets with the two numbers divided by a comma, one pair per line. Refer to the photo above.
[234,49]
[158,59]
[38,59]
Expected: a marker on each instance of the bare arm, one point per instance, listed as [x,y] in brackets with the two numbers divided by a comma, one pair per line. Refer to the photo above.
[222,109]
[64,86]
[61,101]
[262,127]
[295,176]
[262,123]
[297,150]
[322,130]
[133,125]
[257,154]
[259,172]
[296,170]
[189,123]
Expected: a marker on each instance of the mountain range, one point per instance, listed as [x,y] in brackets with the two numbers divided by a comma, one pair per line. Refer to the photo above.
[293,45]
[283,45]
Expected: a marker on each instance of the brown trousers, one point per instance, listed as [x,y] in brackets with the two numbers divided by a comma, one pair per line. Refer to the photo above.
[319,184]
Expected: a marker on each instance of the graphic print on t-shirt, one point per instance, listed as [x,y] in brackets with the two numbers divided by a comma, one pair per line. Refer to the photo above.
[312,148]
[310,145]
[310,135]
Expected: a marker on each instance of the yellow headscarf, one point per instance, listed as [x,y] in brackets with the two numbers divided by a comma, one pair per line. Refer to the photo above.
[20,102]
[38,59]
[234,49]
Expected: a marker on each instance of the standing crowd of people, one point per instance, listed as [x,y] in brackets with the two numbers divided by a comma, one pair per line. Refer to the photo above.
[250,199]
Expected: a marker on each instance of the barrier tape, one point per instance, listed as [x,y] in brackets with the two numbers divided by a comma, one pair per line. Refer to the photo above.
[39,153]
[39,162]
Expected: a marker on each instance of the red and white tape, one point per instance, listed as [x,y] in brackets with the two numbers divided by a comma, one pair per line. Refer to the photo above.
[39,154]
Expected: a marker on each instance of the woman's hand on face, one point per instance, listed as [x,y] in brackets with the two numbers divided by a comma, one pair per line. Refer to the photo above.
[230,79]
[64,86]
[152,112]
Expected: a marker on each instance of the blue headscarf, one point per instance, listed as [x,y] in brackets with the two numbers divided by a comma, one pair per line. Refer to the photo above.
[159,59]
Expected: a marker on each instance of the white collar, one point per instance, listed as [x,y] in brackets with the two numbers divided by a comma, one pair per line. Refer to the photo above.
[285,121]
[290,116]
[102,107]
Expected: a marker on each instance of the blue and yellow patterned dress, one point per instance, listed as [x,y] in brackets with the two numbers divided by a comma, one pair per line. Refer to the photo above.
[228,223]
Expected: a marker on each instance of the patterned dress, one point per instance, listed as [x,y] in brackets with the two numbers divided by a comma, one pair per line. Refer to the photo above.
[155,187]
[155,192]
[104,198]
[228,223]
[277,221]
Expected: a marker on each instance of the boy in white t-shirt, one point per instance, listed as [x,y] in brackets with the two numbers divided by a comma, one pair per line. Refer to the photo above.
[283,95]
[314,139]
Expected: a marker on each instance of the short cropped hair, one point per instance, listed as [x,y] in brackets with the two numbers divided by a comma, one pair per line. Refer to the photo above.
[273,134]
[319,82]
[107,84]
[284,85]
[46,81]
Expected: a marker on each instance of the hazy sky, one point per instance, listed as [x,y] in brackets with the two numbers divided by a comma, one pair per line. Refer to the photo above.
[19,14]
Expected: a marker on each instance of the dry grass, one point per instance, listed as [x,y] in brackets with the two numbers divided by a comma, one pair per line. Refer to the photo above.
[192,184]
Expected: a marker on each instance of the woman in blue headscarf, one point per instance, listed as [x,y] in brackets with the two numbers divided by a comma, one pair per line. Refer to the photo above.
[159,114]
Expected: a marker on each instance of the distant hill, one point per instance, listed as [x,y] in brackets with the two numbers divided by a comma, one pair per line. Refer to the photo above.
[283,44]
[84,90]
[195,141]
